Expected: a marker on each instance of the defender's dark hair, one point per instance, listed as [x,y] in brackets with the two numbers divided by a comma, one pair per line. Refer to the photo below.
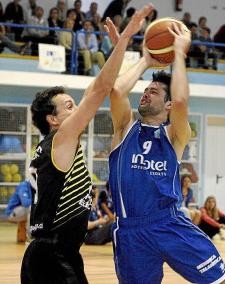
[42,106]
[164,78]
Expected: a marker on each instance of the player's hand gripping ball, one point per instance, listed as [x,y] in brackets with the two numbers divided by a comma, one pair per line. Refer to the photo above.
[159,41]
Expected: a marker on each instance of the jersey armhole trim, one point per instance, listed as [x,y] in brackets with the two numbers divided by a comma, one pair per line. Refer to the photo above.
[123,137]
[168,137]
[53,161]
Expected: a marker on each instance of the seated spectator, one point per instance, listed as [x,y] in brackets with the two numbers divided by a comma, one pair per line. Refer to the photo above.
[93,16]
[220,38]
[71,15]
[54,22]
[99,228]
[105,204]
[19,203]
[65,39]
[18,208]
[88,48]
[62,8]
[37,35]
[129,13]
[208,51]
[80,15]
[14,14]
[151,18]
[195,52]
[212,219]
[1,13]
[29,9]
[187,19]
[6,42]
[115,7]
[106,45]
[201,24]
[188,197]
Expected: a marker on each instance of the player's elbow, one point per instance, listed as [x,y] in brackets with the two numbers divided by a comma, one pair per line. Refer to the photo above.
[180,104]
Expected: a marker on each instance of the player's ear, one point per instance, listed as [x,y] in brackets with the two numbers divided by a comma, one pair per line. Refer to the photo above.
[168,105]
[52,120]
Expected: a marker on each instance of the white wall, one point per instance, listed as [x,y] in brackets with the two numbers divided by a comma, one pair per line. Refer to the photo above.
[214,10]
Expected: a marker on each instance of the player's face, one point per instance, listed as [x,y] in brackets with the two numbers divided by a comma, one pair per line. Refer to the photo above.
[64,105]
[153,100]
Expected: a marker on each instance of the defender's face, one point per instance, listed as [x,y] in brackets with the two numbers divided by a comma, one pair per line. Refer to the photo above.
[152,102]
[64,105]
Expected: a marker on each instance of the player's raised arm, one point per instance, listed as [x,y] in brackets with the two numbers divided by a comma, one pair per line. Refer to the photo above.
[180,129]
[71,127]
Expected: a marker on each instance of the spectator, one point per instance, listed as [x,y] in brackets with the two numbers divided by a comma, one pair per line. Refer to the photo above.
[220,38]
[149,19]
[62,8]
[37,35]
[129,13]
[71,15]
[93,15]
[201,24]
[18,208]
[187,19]
[194,54]
[212,220]
[106,45]
[105,203]
[116,7]
[19,203]
[65,39]
[14,14]
[80,15]
[1,13]
[188,197]
[38,20]
[29,9]
[88,48]
[6,42]
[54,22]
[99,229]
[208,51]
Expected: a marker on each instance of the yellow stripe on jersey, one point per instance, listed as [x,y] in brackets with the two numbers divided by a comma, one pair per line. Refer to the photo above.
[75,194]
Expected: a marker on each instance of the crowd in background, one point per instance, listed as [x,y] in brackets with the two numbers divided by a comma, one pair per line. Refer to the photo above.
[94,48]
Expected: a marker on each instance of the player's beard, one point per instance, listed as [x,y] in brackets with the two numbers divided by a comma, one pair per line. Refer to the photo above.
[148,110]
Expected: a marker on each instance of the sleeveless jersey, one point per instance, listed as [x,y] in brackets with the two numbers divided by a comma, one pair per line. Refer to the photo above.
[59,196]
[144,172]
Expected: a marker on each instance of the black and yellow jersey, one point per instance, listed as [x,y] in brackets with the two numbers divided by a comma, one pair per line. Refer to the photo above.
[59,196]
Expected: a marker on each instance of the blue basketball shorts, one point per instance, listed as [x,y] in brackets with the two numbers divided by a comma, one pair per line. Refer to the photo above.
[143,244]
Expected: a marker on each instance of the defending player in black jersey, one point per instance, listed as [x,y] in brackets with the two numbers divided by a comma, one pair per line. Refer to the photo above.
[62,197]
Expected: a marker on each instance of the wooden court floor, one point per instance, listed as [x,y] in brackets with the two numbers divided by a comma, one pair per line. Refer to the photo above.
[98,260]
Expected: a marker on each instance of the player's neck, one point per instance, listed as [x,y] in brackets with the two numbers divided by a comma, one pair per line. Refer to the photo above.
[153,120]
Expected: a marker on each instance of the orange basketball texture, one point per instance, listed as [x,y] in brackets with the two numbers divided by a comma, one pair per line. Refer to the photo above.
[159,41]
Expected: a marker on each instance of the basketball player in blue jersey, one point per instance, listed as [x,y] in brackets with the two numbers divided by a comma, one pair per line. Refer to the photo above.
[62,197]
[144,179]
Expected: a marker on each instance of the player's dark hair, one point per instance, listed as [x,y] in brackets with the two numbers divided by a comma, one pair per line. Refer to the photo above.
[42,105]
[164,78]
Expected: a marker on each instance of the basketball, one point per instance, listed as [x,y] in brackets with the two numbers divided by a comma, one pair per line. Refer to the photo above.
[159,41]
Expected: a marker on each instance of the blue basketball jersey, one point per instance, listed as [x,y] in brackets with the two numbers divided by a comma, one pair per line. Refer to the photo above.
[144,172]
